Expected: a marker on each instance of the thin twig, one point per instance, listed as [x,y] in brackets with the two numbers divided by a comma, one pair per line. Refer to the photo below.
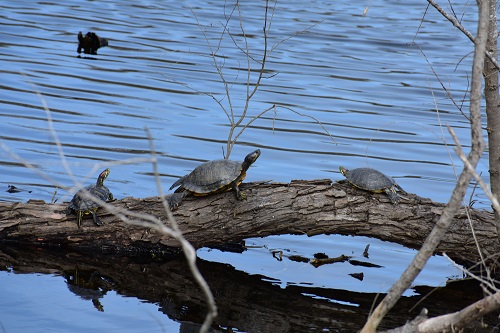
[129,217]
[460,27]
[311,117]
[236,121]
[463,158]
[443,223]
[188,250]
[218,69]
[448,92]
[490,283]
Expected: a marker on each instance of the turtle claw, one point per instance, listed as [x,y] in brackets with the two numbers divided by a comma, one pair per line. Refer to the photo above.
[240,195]
[175,199]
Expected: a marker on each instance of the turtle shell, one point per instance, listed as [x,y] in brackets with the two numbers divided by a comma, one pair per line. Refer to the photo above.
[369,179]
[80,202]
[212,177]
[374,181]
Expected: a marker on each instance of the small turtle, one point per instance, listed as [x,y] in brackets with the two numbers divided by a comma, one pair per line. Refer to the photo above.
[82,204]
[374,181]
[213,177]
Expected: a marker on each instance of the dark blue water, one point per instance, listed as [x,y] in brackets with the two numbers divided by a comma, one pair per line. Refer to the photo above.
[349,90]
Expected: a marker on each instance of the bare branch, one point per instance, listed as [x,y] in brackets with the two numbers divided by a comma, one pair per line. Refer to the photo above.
[129,217]
[458,194]
[252,120]
[219,71]
[468,165]
[236,121]
[490,282]
[187,248]
[311,117]
[250,94]
[453,322]
[448,92]
[460,27]
[275,46]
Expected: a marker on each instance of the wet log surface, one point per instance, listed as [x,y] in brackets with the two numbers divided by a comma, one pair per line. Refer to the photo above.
[300,207]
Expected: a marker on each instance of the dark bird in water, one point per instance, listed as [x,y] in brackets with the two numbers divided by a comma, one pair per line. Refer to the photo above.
[90,43]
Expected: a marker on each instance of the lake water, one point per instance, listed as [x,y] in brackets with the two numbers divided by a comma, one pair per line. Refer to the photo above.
[349,90]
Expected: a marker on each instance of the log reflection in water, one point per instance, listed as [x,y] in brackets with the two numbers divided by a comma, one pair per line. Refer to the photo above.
[247,302]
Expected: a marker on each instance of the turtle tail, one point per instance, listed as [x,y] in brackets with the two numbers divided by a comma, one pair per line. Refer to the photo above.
[177,183]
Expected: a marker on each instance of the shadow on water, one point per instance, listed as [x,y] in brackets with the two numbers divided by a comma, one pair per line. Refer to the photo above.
[248,303]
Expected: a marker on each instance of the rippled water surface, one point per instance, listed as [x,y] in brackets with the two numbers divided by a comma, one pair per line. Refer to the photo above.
[349,90]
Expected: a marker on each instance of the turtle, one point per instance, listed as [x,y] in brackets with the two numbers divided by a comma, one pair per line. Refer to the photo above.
[213,177]
[374,181]
[82,204]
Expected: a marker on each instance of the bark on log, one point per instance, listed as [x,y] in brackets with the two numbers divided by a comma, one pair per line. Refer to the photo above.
[300,207]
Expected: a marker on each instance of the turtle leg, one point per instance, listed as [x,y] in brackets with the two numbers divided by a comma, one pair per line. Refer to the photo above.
[79,216]
[97,221]
[68,210]
[97,304]
[240,195]
[391,192]
[175,199]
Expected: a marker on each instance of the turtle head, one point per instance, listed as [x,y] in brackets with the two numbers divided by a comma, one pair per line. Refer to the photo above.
[343,171]
[102,177]
[250,158]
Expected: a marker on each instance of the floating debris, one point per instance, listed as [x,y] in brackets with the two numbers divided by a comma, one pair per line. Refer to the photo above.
[359,276]
[278,255]
[364,264]
[320,255]
[298,258]
[319,262]
[365,252]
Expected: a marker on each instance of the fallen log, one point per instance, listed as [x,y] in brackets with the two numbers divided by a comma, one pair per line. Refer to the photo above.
[299,207]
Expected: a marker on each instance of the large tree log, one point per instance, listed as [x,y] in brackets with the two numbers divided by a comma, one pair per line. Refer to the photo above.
[300,207]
